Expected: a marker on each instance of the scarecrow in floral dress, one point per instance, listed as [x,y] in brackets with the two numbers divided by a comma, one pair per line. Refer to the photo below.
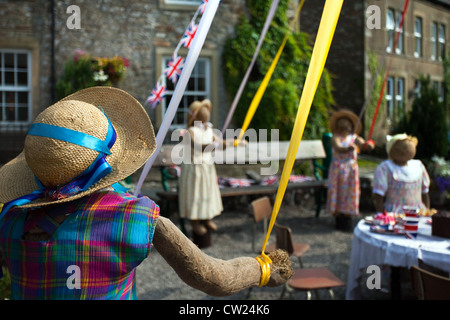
[343,178]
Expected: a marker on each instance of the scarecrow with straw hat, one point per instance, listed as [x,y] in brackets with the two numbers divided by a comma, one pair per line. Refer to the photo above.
[343,178]
[199,194]
[64,211]
[401,180]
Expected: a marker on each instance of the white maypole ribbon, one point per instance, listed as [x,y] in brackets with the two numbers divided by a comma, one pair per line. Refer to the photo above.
[269,19]
[191,60]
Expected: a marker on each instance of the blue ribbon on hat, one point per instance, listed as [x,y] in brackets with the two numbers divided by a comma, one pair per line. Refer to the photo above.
[98,169]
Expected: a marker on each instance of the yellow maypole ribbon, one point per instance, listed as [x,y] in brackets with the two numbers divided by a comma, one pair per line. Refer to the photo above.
[262,88]
[322,45]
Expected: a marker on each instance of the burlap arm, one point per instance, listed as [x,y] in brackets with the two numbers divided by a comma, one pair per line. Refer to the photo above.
[214,276]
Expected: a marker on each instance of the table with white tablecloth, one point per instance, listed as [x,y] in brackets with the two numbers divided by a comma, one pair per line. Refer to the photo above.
[370,248]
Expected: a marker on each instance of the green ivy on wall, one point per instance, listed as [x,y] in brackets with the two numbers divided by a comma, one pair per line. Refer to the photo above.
[278,107]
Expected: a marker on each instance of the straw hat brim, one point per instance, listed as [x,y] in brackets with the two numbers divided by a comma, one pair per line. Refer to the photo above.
[195,107]
[345,114]
[135,135]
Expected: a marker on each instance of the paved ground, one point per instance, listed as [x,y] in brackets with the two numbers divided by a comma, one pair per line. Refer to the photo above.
[329,248]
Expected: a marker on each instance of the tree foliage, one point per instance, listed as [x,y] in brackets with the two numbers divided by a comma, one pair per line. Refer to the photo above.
[278,107]
[427,121]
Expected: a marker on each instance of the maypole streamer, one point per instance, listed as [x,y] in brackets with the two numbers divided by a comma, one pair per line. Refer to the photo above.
[322,44]
[209,9]
[262,88]
[269,19]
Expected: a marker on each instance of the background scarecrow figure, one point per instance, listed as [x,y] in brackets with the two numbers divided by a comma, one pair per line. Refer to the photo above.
[343,178]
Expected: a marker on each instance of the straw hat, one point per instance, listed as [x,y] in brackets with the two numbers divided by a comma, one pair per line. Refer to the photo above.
[344,113]
[55,162]
[195,107]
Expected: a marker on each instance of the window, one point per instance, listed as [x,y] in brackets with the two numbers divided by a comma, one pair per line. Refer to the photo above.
[198,88]
[417,87]
[418,37]
[390,26]
[393,19]
[441,42]
[390,97]
[15,86]
[399,98]
[395,98]
[399,31]
[439,88]
[437,41]
[434,41]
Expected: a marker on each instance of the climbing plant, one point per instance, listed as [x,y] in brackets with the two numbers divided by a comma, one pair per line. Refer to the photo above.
[279,104]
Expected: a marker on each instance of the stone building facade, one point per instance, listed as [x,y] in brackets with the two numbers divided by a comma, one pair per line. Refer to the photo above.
[38,36]
[364,29]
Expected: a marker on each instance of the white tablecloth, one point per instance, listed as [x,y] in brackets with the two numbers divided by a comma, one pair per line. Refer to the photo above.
[369,248]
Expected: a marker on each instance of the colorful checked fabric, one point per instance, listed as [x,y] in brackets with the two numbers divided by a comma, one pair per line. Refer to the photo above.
[93,254]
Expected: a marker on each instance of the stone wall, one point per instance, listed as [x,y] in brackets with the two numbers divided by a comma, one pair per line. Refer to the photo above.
[132,29]
[346,57]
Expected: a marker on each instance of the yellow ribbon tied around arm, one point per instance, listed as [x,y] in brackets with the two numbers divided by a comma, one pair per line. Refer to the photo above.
[322,45]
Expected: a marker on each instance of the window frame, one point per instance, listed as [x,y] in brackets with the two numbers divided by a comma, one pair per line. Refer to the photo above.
[16,88]
[180,5]
[390,27]
[395,98]
[440,49]
[198,94]
[400,49]
[418,36]
[214,57]
[433,40]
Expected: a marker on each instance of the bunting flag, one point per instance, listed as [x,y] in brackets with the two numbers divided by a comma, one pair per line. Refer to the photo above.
[202,7]
[321,48]
[174,68]
[191,60]
[189,34]
[157,95]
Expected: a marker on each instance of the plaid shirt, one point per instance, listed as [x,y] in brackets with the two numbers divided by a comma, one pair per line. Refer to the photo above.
[93,254]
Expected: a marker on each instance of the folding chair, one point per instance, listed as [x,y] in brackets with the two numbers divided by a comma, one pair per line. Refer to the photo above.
[285,241]
[312,279]
[262,210]
[305,279]
[428,285]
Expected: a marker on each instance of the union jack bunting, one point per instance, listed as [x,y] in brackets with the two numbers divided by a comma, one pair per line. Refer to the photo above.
[173,70]
[157,95]
[202,7]
[189,34]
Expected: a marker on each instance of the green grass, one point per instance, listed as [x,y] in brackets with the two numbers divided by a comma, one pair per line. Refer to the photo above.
[367,164]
